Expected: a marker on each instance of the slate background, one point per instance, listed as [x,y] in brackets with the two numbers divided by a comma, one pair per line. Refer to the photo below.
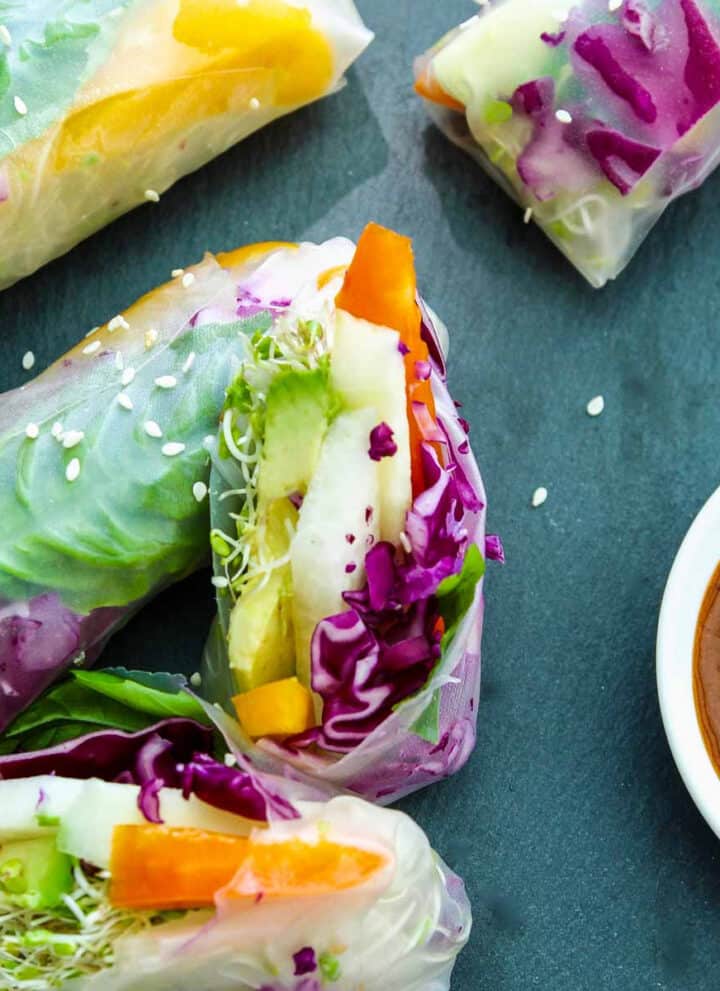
[587,864]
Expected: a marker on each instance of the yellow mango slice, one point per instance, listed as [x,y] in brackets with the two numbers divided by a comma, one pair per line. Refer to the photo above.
[265,51]
[262,33]
[280,708]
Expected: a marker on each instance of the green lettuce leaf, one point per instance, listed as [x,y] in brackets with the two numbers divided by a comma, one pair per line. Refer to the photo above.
[96,700]
[130,524]
[140,695]
[56,48]
[427,725]
[456,594]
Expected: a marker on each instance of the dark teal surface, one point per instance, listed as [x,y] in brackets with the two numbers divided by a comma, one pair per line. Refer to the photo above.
[587,864]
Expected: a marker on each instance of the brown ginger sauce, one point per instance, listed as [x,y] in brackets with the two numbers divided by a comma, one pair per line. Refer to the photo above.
[706,669]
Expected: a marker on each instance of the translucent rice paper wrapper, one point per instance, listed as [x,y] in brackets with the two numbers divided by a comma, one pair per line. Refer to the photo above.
[393,760]
[106,103]
[593,119]
[399,931]
[78,557]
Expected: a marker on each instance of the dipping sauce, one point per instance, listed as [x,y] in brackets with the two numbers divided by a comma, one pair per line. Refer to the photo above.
[706,669]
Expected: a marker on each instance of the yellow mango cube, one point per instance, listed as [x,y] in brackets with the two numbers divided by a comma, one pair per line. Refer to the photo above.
[280,708]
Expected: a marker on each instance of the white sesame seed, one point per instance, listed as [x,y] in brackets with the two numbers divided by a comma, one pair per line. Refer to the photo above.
[187,280]
[119,361]
[152,429]
[563,116]
[539,497]
[230,760]
[177,272]
[71,438]
[151,337]
[172,448]
[166,381]
[528,215]
[20,105]
[118,322]
[254,103]
[614,5]
[219,582]
[596,406]
[127,376]
[405,542]
[196,679]
[124,400]
[5,36]
[56,430]
[199,491]
[32,430]
[73,470]
[91,348]
[152,195]
[91,332]
[189,362]
[28,360]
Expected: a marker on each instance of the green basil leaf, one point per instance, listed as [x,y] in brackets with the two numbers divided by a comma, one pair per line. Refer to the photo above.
[456,594]
[143,698]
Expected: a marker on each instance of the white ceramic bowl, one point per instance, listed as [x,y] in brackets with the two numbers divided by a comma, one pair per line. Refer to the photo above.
[695,564]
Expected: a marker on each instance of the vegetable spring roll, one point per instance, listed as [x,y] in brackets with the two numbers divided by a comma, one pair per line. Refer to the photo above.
[593,116]
[136,860]
[101,476]
[104,471]
[106,103]
[348,532]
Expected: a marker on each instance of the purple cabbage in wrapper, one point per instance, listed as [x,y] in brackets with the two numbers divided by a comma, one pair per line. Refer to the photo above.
[594,118]
[175,753]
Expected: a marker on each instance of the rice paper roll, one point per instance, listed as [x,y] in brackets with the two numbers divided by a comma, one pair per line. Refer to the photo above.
[106,103]
[348,532]
[104,472]
[138,861]
[593,116]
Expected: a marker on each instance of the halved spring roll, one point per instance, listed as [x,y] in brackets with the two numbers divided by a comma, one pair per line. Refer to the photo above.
[348,529]
[136,860]
[593,116]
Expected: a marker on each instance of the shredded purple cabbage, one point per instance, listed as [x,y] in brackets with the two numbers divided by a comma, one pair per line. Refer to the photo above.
[305,961]
[553,39]
[623,161]
[494,550]
[702,69]
[382,443]
[232,789]
[535,98]
[592,47]
[39,639]
[646,76]
[173,753]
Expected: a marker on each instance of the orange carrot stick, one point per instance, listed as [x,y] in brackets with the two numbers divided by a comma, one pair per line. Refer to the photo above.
[160,867]
[430,89]
[380,286]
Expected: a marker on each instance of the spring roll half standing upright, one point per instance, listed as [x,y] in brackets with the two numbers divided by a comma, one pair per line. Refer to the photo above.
[593,116]
[106,103]
[348,531]
[136,861]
